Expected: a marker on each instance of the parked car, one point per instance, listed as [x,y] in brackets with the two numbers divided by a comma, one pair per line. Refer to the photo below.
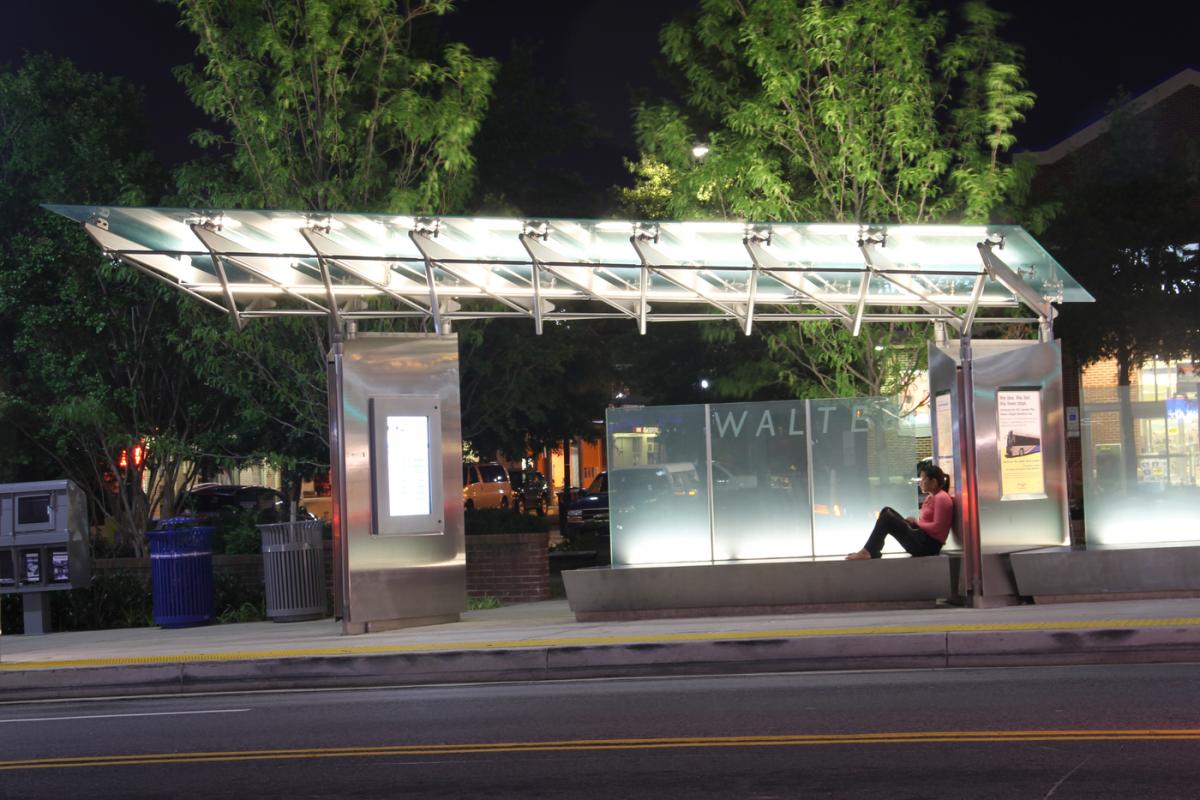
[589,509]
[531,491]
[724,478]
[266,504]
[486,486]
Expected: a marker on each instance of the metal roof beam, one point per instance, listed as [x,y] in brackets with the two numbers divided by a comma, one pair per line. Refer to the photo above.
[1004,275]
[211,240]
[650,264]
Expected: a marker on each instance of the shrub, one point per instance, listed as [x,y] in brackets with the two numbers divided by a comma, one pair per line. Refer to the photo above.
[237,600]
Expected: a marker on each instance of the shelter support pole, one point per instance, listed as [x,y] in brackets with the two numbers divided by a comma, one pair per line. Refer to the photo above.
[971,577]
[337,477]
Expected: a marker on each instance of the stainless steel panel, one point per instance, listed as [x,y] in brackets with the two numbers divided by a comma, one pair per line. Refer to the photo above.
[943,377]
[389,579]
[1026,522]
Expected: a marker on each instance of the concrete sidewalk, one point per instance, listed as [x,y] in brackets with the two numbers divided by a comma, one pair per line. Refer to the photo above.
[541,641]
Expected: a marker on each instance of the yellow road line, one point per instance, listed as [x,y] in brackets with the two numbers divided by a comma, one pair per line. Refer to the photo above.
[652,638]
[899,737]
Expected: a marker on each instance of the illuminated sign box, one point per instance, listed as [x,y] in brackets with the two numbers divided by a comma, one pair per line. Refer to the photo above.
[406,466]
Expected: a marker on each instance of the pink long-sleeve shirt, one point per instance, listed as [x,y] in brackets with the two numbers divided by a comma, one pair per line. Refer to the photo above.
[937,512]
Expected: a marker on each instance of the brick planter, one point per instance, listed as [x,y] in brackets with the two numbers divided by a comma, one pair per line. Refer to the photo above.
[511,567]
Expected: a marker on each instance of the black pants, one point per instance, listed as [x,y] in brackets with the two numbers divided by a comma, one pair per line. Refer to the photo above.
[914,540]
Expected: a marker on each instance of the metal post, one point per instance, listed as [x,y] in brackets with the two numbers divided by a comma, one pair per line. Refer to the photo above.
[712,515]
[812,484]
[939,331]
[337,481]
[972,583]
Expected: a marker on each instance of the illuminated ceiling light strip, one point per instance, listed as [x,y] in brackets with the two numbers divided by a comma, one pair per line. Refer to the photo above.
[881,265]
[432,252]
[210,239]
[94,232]
[766,261]
[539,250]
[651,265]
[315,240]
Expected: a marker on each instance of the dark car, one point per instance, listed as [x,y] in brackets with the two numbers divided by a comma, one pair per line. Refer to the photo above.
[589,509]
[531,491]
[267,505]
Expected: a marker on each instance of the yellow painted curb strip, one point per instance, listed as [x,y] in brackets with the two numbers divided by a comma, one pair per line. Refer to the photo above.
[592,641]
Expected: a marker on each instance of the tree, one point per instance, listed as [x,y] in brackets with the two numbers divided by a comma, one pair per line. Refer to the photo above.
[88,361]
[329,105]
[333,105]
[1128,228]
[524,392]
[870,111]
[524,145]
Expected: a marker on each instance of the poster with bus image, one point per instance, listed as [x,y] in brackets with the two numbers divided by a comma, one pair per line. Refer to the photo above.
[1022,472]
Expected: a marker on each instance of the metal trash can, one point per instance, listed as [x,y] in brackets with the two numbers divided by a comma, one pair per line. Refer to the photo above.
[181,573]
[293,570]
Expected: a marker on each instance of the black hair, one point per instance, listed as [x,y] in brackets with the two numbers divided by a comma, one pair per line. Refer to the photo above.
[935,472]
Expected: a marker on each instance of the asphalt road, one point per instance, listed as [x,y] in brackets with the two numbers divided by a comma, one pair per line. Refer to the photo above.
[1064,732]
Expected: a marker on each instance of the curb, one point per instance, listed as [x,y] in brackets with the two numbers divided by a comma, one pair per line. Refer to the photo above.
[927,650]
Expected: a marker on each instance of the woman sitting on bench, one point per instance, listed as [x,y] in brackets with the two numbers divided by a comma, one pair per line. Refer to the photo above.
[919,537]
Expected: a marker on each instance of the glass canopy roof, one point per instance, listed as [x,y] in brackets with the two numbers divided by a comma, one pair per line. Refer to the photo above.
[357,266]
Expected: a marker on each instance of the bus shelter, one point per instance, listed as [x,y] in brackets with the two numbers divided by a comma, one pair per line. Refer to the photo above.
[394,428]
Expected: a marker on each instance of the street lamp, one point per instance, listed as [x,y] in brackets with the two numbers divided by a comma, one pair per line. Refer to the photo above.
[699,150]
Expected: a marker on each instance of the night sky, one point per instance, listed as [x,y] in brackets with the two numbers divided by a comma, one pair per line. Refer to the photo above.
[1077,56]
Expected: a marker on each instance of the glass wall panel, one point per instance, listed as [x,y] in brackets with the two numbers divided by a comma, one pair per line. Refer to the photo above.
[863,458]
[760,481]
[1141,463]
[658,485]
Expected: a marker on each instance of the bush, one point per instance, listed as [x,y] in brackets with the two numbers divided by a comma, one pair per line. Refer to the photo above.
[502,520]
[238,601]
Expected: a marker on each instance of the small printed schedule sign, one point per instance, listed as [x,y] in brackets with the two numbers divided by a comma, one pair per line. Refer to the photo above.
[408,466]
[407,469]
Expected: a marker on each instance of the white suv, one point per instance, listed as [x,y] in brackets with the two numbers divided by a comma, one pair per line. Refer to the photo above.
[486,486]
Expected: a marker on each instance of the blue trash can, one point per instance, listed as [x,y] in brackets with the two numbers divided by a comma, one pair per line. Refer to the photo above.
[181,573]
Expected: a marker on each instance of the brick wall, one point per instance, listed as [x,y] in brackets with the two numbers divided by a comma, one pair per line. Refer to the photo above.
[247,567]
[511,567]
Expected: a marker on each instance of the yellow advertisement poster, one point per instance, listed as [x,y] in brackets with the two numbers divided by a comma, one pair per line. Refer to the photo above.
[1022,476]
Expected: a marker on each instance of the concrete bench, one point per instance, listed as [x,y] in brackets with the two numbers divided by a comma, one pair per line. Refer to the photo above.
[694,590]
[1063,574]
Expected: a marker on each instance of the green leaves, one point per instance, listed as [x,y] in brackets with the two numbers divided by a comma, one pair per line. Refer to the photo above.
[868,111]
[860,110]
[331,105]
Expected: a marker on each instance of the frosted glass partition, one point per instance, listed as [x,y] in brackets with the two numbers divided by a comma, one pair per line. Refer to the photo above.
[1141,465]
[658,485]
[863,459]
[760,481]
[746,481]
